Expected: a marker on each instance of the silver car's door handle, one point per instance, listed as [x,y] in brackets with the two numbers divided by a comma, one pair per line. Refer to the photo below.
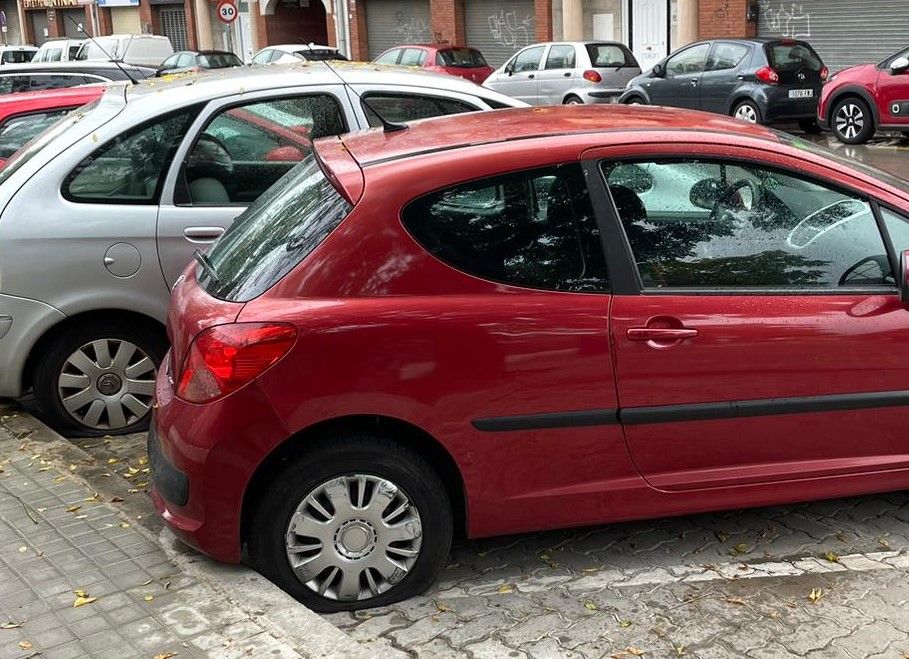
[203,234]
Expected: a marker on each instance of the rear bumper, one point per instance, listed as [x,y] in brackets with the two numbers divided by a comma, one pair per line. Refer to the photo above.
[601,95]
[778,106]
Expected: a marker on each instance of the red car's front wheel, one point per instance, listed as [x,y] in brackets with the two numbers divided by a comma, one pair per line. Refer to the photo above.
[852,121]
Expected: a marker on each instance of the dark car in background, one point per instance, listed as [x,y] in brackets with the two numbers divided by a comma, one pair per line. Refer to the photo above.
[54,75]
[442,58]
[756,80]
[197,60]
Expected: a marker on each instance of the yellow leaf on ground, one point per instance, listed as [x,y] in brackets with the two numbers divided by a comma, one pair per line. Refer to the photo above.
[124,525]
[590,606]
[625,623]
[885,544]
[148,598]
[22,550]
[735,600]
[505,588]
[25,645]
[80,593]
[815,595]
[82,601]
[740,548]
[113,461]
[73,509]
[637,652]
[680,651]
[442,607]
[59,479]
[165,655]
[10,625]
[832,557]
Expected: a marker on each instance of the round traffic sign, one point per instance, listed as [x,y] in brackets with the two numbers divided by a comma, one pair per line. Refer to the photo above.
[227,11]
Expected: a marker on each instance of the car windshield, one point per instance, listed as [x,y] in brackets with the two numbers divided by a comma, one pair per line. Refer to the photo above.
[273,235]
[603,55]
[218,60]
[101,48]
[17,56]
[320,54]
[461,58]
[792,57]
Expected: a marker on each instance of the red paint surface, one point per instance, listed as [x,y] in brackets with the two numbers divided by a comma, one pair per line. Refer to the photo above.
[884,87]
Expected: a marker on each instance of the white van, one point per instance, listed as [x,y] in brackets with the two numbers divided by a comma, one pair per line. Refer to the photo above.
[138,49]
[58,50]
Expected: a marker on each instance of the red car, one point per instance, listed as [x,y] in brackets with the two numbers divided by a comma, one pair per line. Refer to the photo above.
[23,116]
[454,60]
[858,101]
[529,319]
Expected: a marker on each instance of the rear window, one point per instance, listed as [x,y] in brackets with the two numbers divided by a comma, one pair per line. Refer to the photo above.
[792,57]
[604,55]
[274,234]
[461,58]
[320,54]
[219,61]
[17,56]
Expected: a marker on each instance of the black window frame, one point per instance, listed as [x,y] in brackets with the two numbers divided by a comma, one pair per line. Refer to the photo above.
[574,57]
[373,93]
[624,275]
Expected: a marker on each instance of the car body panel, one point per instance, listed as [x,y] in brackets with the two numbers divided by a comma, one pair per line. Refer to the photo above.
[432,61]
[882,89]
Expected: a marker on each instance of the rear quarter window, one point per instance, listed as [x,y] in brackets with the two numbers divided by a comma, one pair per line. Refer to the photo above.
[604,55]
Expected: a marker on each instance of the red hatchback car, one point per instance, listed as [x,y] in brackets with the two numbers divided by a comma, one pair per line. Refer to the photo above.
[858,101]
[528,319]
[454,60]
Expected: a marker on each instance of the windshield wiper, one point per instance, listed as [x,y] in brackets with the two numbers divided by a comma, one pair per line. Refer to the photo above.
[207,266]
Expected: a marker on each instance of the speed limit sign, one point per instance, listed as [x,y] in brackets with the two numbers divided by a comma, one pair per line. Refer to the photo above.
[227,11]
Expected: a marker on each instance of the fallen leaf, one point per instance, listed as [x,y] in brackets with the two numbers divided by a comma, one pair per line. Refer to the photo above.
[41,510]
[735,600]
[148,598]
[590,570]
[637,652]
[143,460]
[82,601]
[117,500]
[10,625]
[832,557]
[22,550]
[124,525]
[166,585]
[590,606]
[660,633]
[113,461]
[815,595]
[133,491]
[722,536]
[25,645]
[841,536]
[680,651]
[740,548]
[80,593]
[625,623]
[94,497]
[146,583]
[884,543]
[59,479]
[165,655]
[442,607]
[73,509]
[72,467]
[505,588]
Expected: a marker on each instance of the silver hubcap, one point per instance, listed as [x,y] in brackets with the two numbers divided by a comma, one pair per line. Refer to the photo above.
[850,120]
[353,537]
[574,101]
[746,113]
[107,384]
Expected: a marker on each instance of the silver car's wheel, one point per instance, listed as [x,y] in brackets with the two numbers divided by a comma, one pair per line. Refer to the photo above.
[746,112]
[107,384]
[353,537]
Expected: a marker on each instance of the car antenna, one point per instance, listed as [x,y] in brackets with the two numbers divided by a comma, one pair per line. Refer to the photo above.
[106,54]
[387,126]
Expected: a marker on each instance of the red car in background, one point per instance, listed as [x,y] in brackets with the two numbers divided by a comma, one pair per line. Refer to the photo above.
[442,58]
[23,116]
[860,100]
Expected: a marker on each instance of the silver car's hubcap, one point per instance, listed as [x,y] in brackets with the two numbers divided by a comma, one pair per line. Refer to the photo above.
[354,537]
[850,120]
[746,113]
[107,384]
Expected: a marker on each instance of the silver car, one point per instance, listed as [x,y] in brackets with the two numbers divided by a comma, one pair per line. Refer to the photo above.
[103,212]
[566,72]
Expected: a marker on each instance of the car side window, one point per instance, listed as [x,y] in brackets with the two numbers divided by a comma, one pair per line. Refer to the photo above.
[16,131]
[262,58]
[710,224]
[692,60]
[130,168]
[246,148]
[561,57]
[170,62]
[528,60]
[533,228]
[54,81]
[73,52]
[413,57]
[410,107]
[185,60]
[391,57]
[727,56]
[6,84]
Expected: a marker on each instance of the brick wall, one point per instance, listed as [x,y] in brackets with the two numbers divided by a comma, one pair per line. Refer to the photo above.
[447,21]
[543,12]
[724,18]
[358,45]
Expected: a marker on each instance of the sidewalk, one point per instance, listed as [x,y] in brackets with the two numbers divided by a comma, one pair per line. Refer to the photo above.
[143,595]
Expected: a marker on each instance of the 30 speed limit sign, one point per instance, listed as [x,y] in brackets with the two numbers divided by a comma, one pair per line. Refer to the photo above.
[227,11]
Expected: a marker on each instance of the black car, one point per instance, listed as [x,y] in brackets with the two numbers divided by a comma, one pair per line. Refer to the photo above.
[50,75]
[756,80]
[196,60]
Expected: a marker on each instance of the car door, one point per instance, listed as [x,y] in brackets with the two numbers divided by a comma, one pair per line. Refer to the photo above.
[680,79]
[236,149]
[558,74]
[722,75]
[761,338]
[893,94]
[518,78]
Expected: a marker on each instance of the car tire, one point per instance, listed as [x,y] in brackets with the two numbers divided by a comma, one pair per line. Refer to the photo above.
[747,111]
[810,126]
[634,100]
[905,134]
[851,121]
[352,535]
[572,100]
[95,372]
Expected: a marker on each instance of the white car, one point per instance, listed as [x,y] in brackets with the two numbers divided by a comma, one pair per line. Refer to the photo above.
[17,54]
[138,49]
[296,52]
[58,50]
[102,213]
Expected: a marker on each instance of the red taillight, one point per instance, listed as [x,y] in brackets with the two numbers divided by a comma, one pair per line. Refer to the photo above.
[225,357]
[593,76]
[824,73]
[768,75]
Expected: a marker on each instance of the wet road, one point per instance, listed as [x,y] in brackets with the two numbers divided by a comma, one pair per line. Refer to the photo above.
[887,151]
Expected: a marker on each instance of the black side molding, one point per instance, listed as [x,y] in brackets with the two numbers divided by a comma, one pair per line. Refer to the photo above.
[549,420]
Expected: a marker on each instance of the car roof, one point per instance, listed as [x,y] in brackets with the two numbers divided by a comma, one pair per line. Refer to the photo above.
[479,128]
[50,98]
[77,66]
[294,47]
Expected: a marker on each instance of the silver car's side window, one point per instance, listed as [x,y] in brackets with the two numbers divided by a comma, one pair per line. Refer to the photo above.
[398,107]
[528,60]
[561,57]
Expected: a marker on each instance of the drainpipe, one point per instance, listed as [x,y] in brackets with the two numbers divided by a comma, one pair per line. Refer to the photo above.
[688,22]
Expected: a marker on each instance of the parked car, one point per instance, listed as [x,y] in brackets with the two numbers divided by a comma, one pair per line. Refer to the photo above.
[102,213]
[569,73]
[35,77]
[24,116]
[442,58]
[299,52]
[193,60]
[405,318]
[756,80]
[148,50]
[860,100]
[17,54]
[58,50]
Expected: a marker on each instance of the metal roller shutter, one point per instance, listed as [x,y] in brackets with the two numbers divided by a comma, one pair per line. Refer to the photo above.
[173,26]
[843,32]
[499,28]
[125,20]
[391,23]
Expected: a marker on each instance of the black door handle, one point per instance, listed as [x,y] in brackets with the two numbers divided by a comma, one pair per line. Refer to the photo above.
[530,76]
[568,74]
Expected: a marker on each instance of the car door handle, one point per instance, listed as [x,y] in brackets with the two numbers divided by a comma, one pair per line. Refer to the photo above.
[203,234]
[660,333]
[567,74]
[530,76]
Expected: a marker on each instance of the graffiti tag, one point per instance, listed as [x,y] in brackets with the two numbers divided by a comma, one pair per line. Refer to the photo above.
[792,21]
[510,32]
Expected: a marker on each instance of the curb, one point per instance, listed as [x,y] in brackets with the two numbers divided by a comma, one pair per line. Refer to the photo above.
[276,611]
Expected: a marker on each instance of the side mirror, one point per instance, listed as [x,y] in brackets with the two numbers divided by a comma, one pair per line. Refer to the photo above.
[658,71]
[707,194]
[904,277]
[899,65]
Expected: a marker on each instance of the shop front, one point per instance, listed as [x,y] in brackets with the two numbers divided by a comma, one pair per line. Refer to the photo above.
[50,19]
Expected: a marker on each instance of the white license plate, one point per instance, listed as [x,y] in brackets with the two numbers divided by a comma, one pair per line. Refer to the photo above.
[801,93]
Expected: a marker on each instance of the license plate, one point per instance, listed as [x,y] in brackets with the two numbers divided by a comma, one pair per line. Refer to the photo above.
[801,93]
